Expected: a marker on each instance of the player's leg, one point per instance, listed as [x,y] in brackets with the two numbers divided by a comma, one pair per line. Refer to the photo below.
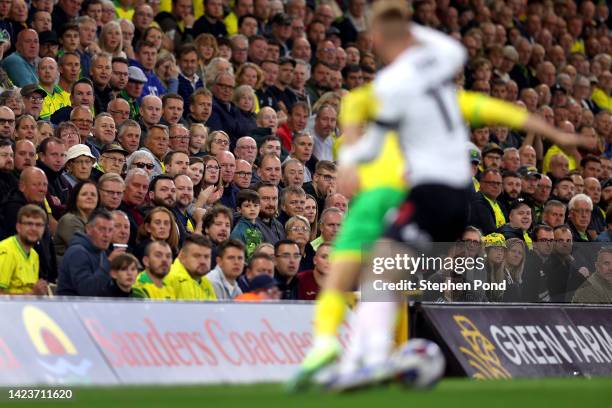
[430,214]
[361,227]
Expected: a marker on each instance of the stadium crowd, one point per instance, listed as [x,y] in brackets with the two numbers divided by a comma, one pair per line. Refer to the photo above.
[186,150]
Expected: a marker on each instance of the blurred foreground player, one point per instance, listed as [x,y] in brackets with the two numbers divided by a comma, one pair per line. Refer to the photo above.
[381,187]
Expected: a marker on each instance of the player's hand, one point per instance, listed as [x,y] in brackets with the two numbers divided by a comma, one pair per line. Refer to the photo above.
[40,288]
[348,181]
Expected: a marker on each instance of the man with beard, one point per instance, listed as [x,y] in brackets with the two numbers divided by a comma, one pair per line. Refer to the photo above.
[150,282]
[187,273]
[563,190]
[511,184]
[176,163]
[19,264]
[217,225]
[319,82]
[8,181]
[184,198]
[272,230]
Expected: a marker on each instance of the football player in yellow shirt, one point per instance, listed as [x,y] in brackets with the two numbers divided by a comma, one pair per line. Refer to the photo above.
[19,264]
[150,282]
[186,276]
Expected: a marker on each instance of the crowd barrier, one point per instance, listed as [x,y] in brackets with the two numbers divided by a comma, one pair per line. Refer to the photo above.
[513,341]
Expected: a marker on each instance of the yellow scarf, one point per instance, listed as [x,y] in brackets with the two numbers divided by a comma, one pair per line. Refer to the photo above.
[500,219]
[528,240]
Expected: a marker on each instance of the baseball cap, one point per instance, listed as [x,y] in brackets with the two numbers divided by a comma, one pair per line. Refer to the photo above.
[494,240]
[32,88]
[607,183]
[511,53]
[332,31]
[135,74]
[263,282]
[78,150]
[48,37]
[474,153]
[557,88]
[282,19]
[490,148]
[516,204]
[114,147]
[525,172]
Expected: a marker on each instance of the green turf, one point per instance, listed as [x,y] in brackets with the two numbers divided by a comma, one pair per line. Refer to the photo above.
[454,393]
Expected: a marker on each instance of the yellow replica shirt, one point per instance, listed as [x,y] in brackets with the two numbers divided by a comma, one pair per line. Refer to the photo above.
[231,23]
[54,101]
[198,8]
[18,269]
[552,150]
[360,107]
[601,99]
[187,288]
[144,287]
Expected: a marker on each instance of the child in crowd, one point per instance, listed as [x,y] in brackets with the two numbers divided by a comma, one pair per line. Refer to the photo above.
[245,229]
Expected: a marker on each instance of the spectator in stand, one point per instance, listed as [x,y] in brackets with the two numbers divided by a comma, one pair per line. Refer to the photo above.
[293,173]
[329,224]
[297,229]
[287,254]
[486,213]
[311,281]
[86,267]
[323,132]
[19,261]
[259,264]
[597,288]
[230,263]
[217,225]
[150,282]
[187,273]
[246,230]
[84,199]
[580,208]
[158,225]
[323,183]
[21,65]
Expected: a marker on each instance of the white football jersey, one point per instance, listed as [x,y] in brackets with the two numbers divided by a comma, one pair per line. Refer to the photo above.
[417,97]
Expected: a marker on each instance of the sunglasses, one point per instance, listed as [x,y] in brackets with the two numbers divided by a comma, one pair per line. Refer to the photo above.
[149,166]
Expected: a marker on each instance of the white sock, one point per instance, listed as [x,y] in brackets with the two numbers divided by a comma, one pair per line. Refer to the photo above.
[372,337]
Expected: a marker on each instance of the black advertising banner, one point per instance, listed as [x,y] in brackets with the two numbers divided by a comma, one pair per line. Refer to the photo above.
[509,341]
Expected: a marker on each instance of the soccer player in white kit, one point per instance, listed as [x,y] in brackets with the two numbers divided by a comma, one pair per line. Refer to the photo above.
[415,96]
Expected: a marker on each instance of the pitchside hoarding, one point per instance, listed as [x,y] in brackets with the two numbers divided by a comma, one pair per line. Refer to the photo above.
[139,342]
[507,341]
[46,343]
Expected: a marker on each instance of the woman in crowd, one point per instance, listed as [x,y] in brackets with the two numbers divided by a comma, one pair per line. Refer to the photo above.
[81,203]
[45,130]
[311,214]
[216,142]
[206,44]
[196,173]
[26,128]
[297,228]
[514,267]
[68,133]
[495,251]
[167,71]
[244,98]
[79,162]
[158,225]
[250,74]
[143,160]
[211,185]
[111,39]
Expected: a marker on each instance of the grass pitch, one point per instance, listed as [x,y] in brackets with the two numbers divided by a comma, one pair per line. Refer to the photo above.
[451,393]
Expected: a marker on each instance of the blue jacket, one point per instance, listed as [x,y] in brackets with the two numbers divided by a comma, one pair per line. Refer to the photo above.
[84,270]
[153,86]
[20,71]
[185,89]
